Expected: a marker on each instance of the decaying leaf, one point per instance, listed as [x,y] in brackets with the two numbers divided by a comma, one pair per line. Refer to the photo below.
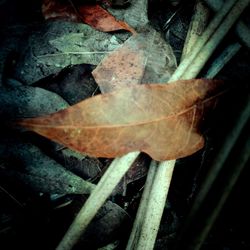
[136,15]
[123,67]
[143,58]
[38,171]
[161,120]
[64,44]
[98,18]
[73,84]
[27,101]
[91,14]
[60,44]
[161,61]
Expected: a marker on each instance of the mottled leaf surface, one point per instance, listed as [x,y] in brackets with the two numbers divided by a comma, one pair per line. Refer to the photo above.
[159,119]
[123,67]
[144,58]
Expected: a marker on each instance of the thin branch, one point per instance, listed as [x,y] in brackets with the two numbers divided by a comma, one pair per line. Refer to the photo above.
[136,230]
[241,30]
[148,233]
[155,206]
[11,196]
[108,182]
[196,27]
[200,44]
[195,66]
[225,168]
[227,54]
[237,165]
[221,159]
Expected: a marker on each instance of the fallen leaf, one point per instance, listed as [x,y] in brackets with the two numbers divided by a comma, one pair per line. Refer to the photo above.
[92,41]
[27,101]
[101,19]
[78,163]
[54,9]
[143,58]
[123,67]
[73,84]
[136,14]
[59,44]
[91,14]
[160,120]
[161,62]
[38,171]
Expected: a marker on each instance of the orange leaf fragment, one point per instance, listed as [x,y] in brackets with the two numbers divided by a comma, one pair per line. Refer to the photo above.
[93,15]
[159,119]
[102,20]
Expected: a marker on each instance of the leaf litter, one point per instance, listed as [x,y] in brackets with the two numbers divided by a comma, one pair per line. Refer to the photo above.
[42,57]
[61,50]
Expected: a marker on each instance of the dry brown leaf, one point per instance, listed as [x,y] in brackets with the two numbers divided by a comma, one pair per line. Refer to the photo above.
[143,58]
[123,67]
[102,20]
[91,14]
[161,120]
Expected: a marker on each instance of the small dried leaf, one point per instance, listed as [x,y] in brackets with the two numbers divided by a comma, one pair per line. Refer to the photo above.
[93,15]
[123,67]
[101,19]
[161,120]
[143,58]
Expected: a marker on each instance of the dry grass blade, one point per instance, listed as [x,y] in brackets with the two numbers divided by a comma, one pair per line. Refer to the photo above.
[147,239]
